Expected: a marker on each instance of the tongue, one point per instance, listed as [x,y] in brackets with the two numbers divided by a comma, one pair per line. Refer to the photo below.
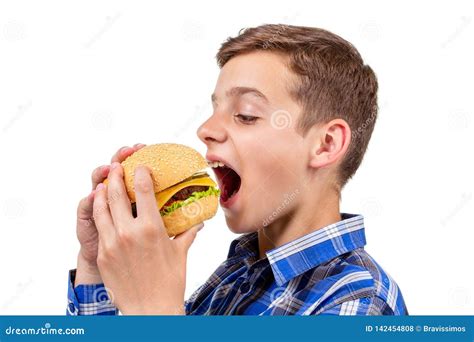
[230,184]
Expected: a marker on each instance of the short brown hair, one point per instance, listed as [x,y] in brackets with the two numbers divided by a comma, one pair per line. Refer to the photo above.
[333,81]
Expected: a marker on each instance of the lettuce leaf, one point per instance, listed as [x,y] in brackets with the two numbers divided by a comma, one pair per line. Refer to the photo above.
[194,197]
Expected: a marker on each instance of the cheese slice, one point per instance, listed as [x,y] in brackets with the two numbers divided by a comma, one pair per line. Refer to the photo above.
[163,196]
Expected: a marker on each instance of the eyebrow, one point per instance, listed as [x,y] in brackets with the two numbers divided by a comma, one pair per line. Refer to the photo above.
[239,91]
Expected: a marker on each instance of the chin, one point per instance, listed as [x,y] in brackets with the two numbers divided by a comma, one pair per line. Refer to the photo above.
[241,227]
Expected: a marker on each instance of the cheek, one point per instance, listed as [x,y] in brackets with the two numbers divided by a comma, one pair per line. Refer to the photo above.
[278,169]
[272,167]
[265,197]
[281,181]
[268,188]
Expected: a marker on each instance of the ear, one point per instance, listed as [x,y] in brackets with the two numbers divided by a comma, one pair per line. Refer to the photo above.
[331,144]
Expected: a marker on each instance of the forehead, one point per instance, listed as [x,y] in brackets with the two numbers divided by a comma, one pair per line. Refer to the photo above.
[262,70]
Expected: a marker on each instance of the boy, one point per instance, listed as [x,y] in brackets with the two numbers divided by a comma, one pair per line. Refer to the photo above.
[293,112]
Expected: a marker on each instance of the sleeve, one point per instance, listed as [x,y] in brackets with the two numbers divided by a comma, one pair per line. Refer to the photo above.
[367,306]
[91,299]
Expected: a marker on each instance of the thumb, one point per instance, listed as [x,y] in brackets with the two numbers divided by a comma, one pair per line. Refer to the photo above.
[85,207]
[186,238]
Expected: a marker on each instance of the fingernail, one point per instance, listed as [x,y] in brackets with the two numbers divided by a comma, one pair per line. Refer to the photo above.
[105,170]
[201,226]
[100,186]
[145,168]
[114,165]
[125,150]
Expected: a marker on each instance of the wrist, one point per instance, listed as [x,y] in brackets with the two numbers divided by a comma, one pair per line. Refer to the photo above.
[87,272]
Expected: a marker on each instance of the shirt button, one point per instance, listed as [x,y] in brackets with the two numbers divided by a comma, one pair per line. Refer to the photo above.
[244,288]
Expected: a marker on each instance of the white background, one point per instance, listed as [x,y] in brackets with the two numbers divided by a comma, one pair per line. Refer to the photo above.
[80,79]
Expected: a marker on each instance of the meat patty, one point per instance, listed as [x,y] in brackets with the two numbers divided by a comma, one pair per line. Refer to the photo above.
[181,195]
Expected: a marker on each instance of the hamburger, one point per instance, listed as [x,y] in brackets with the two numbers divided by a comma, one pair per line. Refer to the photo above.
[185,194]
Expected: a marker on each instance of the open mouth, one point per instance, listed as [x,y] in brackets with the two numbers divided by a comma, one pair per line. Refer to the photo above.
[229,181]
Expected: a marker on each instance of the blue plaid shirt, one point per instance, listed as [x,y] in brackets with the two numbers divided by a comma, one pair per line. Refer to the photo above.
[324,272]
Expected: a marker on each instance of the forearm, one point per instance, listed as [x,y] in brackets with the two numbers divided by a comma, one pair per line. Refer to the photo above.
[87,272]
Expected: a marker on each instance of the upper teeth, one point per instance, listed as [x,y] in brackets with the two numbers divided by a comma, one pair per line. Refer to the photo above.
[215,164]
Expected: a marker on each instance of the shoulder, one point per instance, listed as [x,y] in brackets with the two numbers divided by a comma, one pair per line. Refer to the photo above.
[385,288]
[354,277]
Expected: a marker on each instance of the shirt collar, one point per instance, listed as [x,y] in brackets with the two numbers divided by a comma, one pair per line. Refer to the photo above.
[309,251]
[244,246]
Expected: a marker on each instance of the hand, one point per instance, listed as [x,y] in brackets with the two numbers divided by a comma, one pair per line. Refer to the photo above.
[86,231]
[143,269]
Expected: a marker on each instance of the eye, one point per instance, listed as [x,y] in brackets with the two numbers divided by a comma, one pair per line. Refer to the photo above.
[246,119]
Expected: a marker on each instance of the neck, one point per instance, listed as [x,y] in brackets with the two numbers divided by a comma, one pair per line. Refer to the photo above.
[314,214]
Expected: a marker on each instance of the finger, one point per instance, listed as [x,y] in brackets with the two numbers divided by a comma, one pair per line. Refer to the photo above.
[102,217]
[99,174]
[85,207]
[120,206]
[138,146]
[147,208]
[122,154]
[125,152]
[186,239]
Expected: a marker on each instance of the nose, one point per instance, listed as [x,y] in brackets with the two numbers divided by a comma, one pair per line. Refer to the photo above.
[211,131]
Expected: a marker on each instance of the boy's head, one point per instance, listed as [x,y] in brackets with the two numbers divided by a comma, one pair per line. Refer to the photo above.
[293,112]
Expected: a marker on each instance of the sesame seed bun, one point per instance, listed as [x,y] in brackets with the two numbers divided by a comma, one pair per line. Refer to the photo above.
[185,217]
[169,164]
